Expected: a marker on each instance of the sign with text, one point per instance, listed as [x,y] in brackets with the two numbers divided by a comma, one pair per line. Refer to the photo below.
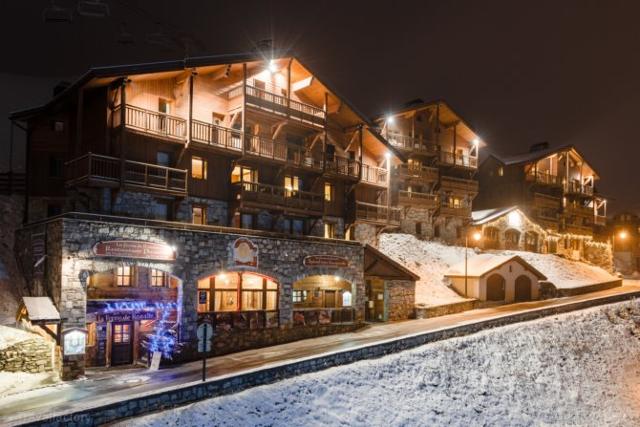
[244,253]
[134,249]
[204,333]
[125,316]
[325,261]
[155,361]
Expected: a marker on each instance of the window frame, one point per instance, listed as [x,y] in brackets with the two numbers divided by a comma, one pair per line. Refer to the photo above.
[156,275]
[203,210]
[130,276]
[203,168]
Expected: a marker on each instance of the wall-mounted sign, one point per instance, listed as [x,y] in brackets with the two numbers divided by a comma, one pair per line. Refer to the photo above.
[244,253]
[325,261]
[74,341]
[125,316]
[135,249]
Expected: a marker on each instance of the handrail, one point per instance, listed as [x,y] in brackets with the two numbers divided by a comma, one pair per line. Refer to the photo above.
[418,195]
[407,142]
[451,158]
[374,174]
[344,166]
[279,195]
[543,177]
[150,121]
[281,104]
[211,134]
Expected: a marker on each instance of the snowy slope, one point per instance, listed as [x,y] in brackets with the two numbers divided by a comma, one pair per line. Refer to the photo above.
[431,260]
[574,369]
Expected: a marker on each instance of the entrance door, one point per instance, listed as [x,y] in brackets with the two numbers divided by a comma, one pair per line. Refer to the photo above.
[523,289]
[121,343]
[495,288]
[329,299]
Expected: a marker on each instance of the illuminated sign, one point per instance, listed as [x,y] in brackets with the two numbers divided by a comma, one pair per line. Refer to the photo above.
[135,249]
[125,316]
[325,261]
[74,341]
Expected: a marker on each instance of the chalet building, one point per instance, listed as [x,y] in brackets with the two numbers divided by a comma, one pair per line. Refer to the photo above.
[624,232]
[434,189]
[555,187]
[228,191]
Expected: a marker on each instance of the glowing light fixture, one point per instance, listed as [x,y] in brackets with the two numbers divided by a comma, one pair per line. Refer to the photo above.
[622,235]
[272,66]
[336,278]
[476,141]
[476,236]
[387,155]
[390,120]
[514,219]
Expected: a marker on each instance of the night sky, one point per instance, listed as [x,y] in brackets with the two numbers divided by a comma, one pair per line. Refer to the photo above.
[518,72]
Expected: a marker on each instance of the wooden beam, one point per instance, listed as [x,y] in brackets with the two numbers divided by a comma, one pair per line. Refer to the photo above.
[351,141]
[278,127]
[244,105]
[234,117]
[222,73]
[335,109]
[302,84]
[315,139]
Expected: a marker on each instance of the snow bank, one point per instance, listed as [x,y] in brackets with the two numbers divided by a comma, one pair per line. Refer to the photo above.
[19,382]
[432,260]
[574,369]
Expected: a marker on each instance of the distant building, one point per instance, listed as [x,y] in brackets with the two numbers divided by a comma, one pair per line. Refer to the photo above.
[624,231]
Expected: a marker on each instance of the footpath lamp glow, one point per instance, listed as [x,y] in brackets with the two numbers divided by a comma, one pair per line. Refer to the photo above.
[622,236]
[476,236]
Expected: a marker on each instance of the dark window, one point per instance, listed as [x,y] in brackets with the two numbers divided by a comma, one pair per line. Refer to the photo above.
[55,166]
[162,210]
[419,228]
[458,232]
[54,209]
[436,231]
[163,158]
[246,221]
[58,126]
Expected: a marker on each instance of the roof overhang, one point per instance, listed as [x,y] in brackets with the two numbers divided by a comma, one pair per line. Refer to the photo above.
[379,265]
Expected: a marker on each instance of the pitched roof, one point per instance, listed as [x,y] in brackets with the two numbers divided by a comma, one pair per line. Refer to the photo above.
[483,264]
[40,309]
[488,215]
[391,270]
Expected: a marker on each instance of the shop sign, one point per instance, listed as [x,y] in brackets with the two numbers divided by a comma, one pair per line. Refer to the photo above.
[244,253]
[325,261]
[204,334]
[125,316]
[135,249]
[74,341]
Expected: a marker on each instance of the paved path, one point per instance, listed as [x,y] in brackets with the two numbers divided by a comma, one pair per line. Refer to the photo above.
[102,387]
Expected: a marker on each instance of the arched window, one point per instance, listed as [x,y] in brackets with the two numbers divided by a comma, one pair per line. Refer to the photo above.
[491,237]
[230,292]
[346,299]
[531,241]
[511,239]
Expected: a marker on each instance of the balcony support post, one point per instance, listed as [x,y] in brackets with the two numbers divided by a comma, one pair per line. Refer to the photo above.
[289,87]
[455,145]
[360,149]
[123,134]
[244,108]
[79,111]
[192,76]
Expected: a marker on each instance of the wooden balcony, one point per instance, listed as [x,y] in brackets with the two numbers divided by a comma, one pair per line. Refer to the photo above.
[253,195]
[266,99]
[543,178]
[151,122]
[447,158]
[281,152]
[418,173]
[375,175]
[459,185]
[377,214]
[460,211]
[574,187]
[414,145]
[343,167]
[216,136]
[104,171]
[413,198]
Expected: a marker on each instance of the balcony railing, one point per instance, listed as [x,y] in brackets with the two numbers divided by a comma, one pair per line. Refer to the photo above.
[405,142]
[323,316]
[217,136]
[424,173]
[415,198]
[253,194]
[575,187]
[343,166]
[449,209]
[380,214]
[374,175]
[265,147]
[265,99]
[600,220]
[544,178]
[151,122]
[455,159]
[95,169]
[450,183]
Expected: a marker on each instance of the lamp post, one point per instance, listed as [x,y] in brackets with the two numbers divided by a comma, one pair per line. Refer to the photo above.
[476,237]
[622,235]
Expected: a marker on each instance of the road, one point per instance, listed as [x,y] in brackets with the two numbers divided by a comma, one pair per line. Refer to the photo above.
[104,386]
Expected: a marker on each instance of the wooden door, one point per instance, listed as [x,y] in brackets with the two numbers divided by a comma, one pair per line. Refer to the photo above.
[329,298]
[495,288]
[523,289]
[121,343]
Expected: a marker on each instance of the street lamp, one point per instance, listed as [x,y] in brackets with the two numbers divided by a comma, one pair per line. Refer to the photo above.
[476,236]
[622,235]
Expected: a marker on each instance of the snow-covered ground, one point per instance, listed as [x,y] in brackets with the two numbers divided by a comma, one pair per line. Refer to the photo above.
[431,260]
[573,369]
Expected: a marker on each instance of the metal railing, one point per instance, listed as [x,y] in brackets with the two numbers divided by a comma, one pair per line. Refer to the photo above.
[219,136]
[152,122]
[96,167]
[279,196]
[377,213]
[374,175]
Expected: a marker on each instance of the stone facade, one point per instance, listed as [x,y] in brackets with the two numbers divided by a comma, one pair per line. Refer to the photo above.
[414,215]
[217,210]
[32,355]
[401,297]
[201,252]
[449,229]
[366,233]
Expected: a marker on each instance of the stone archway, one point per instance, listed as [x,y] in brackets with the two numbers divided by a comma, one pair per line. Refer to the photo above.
[523,289]
[495,287]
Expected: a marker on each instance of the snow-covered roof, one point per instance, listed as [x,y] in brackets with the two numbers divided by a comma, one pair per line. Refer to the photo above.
[40,308]
[483,264]
[488,215]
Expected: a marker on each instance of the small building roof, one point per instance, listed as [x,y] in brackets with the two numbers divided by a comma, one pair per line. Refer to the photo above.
[378,264]
[40,309]
[487,215]
[483,264]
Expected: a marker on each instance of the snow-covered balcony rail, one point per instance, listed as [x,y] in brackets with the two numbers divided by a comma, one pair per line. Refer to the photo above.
[151,122]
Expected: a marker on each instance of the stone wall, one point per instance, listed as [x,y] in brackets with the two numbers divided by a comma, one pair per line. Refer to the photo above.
[401,296]
[413,215]
[366,233]
[217,210]
[12,284]
[450,229]
[31,355]
[443,310]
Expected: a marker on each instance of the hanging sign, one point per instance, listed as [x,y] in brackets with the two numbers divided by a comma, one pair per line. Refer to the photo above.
[135,249]
[244,253]
[325,261]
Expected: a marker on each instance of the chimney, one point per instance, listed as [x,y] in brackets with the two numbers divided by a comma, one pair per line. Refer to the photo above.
[538,146]
[60,87]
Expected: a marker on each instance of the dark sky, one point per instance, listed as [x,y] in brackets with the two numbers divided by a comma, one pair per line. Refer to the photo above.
[519,72]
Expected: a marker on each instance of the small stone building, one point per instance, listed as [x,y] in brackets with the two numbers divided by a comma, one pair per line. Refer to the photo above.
[499,278]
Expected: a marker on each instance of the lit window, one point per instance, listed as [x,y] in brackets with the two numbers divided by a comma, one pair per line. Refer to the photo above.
[291,185]
[199,215]
[159,278]
[243,174]
[329,230]
[237,292]
[329,192]
[198,168]
[121,333]
[346,299]
[500,171]
[124,275]
[299,296]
